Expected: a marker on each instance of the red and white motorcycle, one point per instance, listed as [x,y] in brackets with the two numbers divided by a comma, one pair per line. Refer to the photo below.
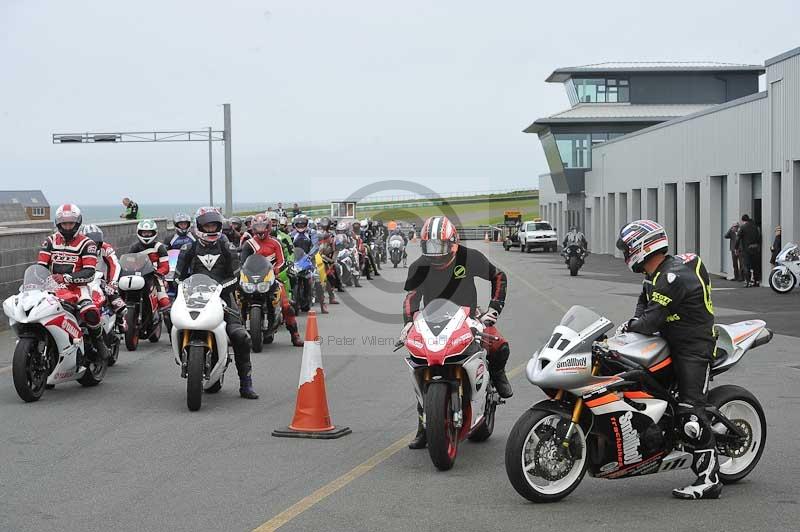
[451,378]
[51,346]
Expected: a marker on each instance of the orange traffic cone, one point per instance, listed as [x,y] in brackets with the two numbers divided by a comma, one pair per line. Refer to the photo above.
[311,416]
[486,236]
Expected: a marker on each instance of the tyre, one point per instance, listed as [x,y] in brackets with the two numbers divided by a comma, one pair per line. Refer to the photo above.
[269,338]
[132,331]
[29,370]
[573,266]
[256,321]
[439,428]
[533,464]
[95,372]
[506,246]
[113,350]
[194,379]
[781,283]
[486,428]
[738,458]
[521,247]
[155,336]
[215,388]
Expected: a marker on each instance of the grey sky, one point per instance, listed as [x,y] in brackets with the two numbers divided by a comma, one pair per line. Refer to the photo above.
[326,95]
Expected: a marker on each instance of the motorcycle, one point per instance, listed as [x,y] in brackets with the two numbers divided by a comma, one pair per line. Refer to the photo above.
[52,347]
[137,286]
[574,256]
[397,248]
[259,291]
[786,272]
[108,319]
[172,283]
[347,263]
[374,249]
[451,378]
[199,340]
[380,250]
[303,271]
[612,409]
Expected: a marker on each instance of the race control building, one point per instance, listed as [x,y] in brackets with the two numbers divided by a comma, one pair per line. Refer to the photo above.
[691,145]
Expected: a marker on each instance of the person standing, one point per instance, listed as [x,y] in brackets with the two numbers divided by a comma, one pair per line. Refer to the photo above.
[733,236]
[749,236]
[296,210]
[776,246]
[131,209]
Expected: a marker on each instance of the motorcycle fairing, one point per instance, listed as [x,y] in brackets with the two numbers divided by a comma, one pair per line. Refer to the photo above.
[734,340]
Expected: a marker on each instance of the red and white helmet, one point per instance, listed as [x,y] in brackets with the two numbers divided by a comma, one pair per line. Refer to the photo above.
[438,238]
[261,226]
[640,239]
[68,213]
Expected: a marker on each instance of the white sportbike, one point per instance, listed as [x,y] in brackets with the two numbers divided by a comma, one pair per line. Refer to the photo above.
[51,346]
[199,340]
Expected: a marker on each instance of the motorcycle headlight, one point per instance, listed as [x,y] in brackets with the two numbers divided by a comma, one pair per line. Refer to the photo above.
[248,287]
[792,255]
[262,287]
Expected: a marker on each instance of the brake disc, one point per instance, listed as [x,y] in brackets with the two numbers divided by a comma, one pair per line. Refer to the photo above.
[737,447]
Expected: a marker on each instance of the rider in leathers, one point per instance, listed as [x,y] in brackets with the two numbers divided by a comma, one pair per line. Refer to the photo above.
[214,255]
[676,302]
[182,234]
[447,270]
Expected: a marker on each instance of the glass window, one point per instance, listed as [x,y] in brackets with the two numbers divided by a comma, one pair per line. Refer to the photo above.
[602,90]
[574,150]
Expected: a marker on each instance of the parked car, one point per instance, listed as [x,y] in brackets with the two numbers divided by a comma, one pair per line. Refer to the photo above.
[537,234]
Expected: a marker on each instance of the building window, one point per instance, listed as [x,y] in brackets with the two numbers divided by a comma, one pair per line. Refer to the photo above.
[576,149]
[603,90]
[37,212]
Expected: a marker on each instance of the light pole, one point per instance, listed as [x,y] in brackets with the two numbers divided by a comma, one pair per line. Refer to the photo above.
[205,135]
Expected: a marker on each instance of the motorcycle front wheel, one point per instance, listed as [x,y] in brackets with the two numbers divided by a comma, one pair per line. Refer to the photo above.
[441,433]
[256,337]
[132,330]
[781,283]
[534,463]
[573,266]
[194,378]
[29,370]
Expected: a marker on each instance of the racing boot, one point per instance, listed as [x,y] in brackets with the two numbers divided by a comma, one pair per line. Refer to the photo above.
[420,441]
[296,340]
[708,485]
[497,371]
[99,343]
[246,390]
[332,297]
[323,308]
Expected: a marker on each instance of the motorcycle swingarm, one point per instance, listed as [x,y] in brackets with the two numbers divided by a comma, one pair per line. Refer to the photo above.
[715,414]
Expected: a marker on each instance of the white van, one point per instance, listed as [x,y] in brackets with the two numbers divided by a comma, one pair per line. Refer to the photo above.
[537,234]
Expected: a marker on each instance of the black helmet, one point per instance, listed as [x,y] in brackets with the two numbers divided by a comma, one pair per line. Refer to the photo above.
[236,223]
[208,215]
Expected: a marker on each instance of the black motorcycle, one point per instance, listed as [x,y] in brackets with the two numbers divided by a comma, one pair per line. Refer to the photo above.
[258,294]
[574,256]
[137,286]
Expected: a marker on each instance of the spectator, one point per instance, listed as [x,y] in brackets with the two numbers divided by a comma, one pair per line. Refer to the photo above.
[776,246]
[736,257]
[749,237]
[280,210]
[296,210]
[131,209]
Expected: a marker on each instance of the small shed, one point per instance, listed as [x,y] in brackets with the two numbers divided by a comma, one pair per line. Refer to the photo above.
[343,210]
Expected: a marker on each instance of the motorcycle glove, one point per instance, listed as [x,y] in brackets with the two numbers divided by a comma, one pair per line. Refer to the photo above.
[489,317]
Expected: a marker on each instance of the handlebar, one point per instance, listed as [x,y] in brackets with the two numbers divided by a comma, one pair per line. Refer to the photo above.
[479,334]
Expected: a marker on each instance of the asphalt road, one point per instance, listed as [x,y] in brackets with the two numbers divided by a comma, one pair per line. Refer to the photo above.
[127,455]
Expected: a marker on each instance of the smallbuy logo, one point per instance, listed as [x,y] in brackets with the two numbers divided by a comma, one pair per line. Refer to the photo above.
[459,272]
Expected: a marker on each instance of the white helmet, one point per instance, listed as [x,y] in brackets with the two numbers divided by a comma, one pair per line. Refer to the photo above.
[640,239]
[147,231]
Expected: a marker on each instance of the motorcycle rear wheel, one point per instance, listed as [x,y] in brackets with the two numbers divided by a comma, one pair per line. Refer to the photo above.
[194,378]
[743,409]
[525,441]
[95,371]
[113,350]
[483,432]
[441,433]
[29,382]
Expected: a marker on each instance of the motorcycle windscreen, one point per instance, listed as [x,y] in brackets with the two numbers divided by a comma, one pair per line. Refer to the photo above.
[198,290]
[173,258]
[578,318]
[36,277]
[133,263]
[438,313]
[256,267]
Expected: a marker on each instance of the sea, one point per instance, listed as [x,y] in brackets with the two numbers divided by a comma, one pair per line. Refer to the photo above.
[108,213]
